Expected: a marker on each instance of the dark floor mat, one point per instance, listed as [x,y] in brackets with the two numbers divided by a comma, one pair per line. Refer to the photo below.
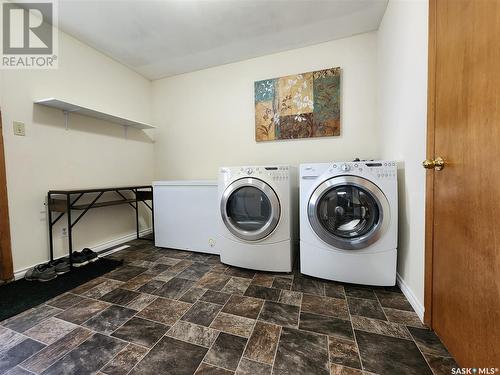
[22,295]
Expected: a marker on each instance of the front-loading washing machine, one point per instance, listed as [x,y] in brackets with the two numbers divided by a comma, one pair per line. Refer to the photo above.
[349,221]
[258,219]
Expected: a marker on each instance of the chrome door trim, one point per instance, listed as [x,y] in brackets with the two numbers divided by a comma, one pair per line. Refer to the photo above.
[353,243]
[270,225]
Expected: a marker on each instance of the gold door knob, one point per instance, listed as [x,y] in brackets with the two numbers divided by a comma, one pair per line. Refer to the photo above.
[436,164]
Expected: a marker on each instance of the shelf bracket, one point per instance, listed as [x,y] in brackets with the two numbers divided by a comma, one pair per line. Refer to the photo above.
[125,131]
[66,116]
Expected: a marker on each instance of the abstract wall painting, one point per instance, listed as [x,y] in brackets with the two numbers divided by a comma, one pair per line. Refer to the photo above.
[304,105]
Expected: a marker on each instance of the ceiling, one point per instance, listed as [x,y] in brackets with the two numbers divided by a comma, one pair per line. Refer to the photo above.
[164,38]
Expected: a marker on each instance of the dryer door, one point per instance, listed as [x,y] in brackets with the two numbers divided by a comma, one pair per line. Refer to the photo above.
[348,212]
[250,209]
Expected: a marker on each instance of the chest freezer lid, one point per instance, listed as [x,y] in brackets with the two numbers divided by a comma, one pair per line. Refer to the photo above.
[185,183]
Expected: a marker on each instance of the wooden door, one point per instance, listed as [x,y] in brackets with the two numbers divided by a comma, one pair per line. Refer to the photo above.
[6,272]
[463,216]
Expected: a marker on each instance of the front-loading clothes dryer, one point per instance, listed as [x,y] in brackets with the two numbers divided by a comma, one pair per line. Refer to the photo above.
[258,218]
[349,221]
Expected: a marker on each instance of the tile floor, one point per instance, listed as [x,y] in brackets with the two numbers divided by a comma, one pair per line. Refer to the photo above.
[174,312]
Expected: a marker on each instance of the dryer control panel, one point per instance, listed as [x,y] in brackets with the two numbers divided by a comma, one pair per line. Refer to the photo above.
[276,173]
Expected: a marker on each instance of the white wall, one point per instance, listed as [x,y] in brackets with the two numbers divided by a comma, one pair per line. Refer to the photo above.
[402,88]
[91,154]
[206,118]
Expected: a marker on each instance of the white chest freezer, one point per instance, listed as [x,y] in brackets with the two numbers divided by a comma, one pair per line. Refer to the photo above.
[185,215]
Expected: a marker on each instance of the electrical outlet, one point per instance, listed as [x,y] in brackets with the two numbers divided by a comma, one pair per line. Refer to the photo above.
[19,128]
[64,232]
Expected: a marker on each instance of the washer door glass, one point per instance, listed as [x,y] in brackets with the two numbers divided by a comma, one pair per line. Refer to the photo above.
[348,212]
[250,209]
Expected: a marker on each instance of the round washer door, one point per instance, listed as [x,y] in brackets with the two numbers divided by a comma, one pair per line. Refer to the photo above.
[348,212]
[250,209]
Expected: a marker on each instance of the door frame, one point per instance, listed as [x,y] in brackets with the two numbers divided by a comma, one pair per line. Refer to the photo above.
[429,181]
[6,267]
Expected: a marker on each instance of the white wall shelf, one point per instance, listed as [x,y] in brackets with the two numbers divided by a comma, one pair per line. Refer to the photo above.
[75,108]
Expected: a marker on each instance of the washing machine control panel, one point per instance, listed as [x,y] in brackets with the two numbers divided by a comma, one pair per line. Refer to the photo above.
[376,169]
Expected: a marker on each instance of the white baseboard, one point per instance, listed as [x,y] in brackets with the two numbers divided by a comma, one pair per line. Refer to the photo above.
[410,296]
[19,274]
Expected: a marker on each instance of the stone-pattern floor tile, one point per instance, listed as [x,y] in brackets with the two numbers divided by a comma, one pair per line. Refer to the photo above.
[109,319]
[141,301]
[428,342]
[343,370]
[290,297]
[241,272]
[65,301]
[236,325]
[119,296]
[325,306]
[125,360]
[151,286]
[243,306]
[102,289]
[263,279]
[335,290]
[193,295]
[18,353]
[380,326]
[248,367]
[263,343]
[141,331]
[82,311]
[213,280]
[393,300]
[55,351]
[164,310]
[366,307]
[212,296]
[326,325]
[301,352]
[195,271]
[390,355]
[282,283]
[125,273]
[193,333]
[30,318]
[308,285]
[171,356]
[98,350]
[343,352]
[206,369]
[50,330]
[18,371]
[174,288]
[226,351]
[262,292]
[441,365]
[359,291]
[408,318]
[237,285]
[279,313]
[202,313]
[137,282]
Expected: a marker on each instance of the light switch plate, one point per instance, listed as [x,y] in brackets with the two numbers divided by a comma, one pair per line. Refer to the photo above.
[19,128]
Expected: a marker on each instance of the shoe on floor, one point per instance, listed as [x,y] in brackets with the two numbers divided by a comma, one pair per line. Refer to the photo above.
[42,272]
[61,265]
[91,255]
[79,259]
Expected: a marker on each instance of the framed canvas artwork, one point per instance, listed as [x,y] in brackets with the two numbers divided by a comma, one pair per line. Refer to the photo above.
[304,105]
